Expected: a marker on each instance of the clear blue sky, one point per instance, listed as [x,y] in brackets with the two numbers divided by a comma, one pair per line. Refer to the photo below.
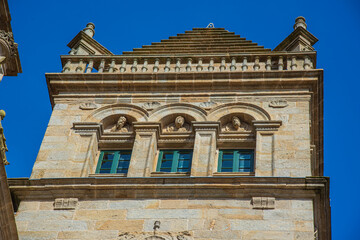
[43,28]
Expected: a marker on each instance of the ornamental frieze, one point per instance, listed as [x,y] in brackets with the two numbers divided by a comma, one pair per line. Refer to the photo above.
[8,38]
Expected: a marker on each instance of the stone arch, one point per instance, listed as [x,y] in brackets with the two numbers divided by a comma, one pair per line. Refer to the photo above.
[136,113]
[256,112]
[155,238]
[194,112]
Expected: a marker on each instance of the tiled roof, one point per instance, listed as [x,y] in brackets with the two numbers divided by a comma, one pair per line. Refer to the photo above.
[200,41]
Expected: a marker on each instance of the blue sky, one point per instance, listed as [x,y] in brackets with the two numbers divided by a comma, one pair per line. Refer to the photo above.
[43,29]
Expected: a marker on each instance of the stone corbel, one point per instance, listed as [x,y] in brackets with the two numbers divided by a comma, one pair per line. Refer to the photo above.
[204,154]
[264,156]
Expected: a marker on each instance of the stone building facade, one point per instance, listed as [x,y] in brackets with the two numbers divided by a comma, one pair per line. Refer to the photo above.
[9,66]
[205,135]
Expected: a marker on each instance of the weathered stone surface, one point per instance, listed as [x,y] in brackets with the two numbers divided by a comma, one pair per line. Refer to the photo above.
[271,92]
[100,215]
[93,235]
[128,226]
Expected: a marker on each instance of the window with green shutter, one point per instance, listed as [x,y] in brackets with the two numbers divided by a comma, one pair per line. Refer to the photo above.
[236,160]
[174,161]
[114,161]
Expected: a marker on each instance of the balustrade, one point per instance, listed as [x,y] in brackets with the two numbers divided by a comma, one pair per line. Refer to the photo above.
[244,63]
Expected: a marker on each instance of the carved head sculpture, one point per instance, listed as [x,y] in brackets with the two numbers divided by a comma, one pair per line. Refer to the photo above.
[179,121]
[121,122]
[236,122]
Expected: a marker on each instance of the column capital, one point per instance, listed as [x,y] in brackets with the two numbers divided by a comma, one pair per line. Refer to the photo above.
[147,127]
[206,126]
[269,126]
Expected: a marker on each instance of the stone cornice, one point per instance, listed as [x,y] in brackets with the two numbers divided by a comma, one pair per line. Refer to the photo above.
[181,187]
[131,82]
[163,57]
[206,126]
[267,125]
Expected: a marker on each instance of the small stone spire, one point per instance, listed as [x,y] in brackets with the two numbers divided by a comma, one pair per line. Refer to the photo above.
[300,22]
[89,30]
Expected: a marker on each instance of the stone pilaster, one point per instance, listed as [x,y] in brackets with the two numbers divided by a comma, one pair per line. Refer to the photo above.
[264,156]
[144,149]
[203,162]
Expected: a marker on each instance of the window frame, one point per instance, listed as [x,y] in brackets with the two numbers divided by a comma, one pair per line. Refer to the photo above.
[175,160]
[236,160]
[115,161]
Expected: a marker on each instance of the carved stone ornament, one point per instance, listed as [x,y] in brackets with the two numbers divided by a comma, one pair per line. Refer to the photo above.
[179,125]
[263,202]
[155,236]
[280,103]
[151,105]
[207,105]
[88,106]
[8,38]
[236,125]
[121,125]
[65,203]
[3,147]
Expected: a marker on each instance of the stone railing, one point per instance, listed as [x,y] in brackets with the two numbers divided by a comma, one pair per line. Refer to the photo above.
[181,64]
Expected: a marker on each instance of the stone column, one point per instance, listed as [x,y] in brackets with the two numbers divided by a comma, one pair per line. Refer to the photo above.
[204,153]
[144,149]
[264,155]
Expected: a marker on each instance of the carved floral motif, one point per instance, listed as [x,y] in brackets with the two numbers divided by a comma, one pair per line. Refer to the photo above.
[280,103]
[88,106]
[151,105]
[8,38]
[208,105]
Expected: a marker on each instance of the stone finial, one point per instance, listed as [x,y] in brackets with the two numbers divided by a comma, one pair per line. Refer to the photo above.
[300,22]
[89,30]
[2,114]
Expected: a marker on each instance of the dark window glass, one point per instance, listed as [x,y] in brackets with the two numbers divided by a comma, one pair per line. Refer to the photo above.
[236,161]
[114,161]
[174,161]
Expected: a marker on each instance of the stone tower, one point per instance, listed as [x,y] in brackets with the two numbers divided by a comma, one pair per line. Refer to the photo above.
[205,135]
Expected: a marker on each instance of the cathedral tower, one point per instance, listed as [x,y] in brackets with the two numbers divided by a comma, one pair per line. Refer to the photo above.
[205,135]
